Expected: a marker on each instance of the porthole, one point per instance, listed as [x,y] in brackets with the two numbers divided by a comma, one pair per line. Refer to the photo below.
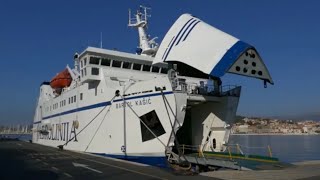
[245,61]
[245,70]
[260,73]
[252,55]
[253,72]
[237,68]
[254,64]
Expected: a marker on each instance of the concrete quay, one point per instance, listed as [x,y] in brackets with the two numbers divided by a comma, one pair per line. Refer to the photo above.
[303,170]
[24,160]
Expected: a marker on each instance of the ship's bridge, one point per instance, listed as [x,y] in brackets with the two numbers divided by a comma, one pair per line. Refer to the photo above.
[93,60]
[203,50]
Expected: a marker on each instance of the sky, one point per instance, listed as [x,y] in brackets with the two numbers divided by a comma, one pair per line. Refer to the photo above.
[39,38]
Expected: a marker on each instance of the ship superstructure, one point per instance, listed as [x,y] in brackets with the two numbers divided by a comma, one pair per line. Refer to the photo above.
[145,106]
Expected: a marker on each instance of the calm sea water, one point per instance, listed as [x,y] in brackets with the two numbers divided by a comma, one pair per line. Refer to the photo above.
[288,148]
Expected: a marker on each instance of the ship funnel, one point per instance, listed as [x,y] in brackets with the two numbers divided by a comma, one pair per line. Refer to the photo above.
[195,43]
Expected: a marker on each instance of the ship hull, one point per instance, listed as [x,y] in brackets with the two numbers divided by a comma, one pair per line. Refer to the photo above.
[111,128]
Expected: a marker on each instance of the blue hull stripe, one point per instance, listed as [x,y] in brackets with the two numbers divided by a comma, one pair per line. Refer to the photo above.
[185,31]
[229,58]
[167,47]
[159,161]
[103,104]
[190,30]
[174,41]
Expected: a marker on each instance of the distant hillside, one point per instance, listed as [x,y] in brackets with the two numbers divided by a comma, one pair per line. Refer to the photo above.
[299,117]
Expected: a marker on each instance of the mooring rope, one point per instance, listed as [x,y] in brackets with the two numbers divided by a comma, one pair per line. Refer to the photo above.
[98,127]
[61,146]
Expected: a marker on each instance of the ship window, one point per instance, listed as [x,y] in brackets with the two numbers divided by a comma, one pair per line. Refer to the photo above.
[164,70]
[116,63]
[152,121]
[81,64]
[81,96]
[74,98]
[95,71]
[155,69]
[146,68]
[64,102]
[126,65]
[94,60]
[136,66]
[85,61]
[69,101]
[105,62]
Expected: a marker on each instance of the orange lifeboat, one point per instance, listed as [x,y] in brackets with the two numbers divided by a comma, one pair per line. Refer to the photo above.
[61,80]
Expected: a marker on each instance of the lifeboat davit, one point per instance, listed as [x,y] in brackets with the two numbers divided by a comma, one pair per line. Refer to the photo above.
[61,80]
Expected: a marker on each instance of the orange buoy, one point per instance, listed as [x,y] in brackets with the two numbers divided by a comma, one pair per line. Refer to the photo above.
[61,80]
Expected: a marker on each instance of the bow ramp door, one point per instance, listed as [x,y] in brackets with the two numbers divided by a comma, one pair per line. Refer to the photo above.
[195,43]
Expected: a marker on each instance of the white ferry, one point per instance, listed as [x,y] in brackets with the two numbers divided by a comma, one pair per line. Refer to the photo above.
[145,106]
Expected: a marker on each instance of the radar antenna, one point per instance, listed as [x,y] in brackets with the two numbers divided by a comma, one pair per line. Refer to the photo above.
[147,46]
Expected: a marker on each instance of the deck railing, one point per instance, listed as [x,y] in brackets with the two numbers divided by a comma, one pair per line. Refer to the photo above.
[232,150]
[203,88]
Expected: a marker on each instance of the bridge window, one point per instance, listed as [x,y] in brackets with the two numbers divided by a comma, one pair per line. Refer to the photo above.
[85,61]
[146,68]
[152,121]
[94,60]
[116,63]
[164,70]
[81,64]
[137,66]
[126,65]
[155,69]
[95,71]
[105,62]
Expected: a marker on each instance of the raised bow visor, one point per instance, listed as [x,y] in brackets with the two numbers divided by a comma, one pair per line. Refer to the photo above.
[197,44]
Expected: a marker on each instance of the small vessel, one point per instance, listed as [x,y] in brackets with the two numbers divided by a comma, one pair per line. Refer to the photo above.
[146,106]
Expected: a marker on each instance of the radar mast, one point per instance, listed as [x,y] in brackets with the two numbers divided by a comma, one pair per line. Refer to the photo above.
[147,46]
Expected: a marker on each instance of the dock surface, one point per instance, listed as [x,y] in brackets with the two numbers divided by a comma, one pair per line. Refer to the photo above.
[305,171]
[24,160]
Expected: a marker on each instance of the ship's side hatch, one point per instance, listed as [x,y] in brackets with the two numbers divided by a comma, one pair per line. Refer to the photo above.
[206,125]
